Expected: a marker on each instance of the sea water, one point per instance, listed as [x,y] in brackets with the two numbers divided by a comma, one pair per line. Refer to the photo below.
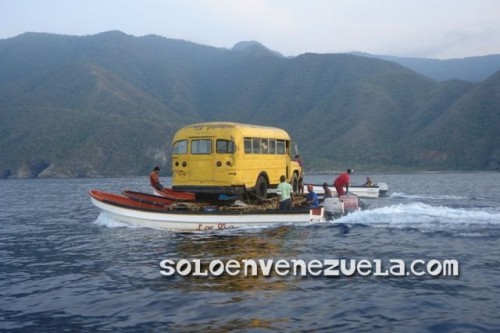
[64,267]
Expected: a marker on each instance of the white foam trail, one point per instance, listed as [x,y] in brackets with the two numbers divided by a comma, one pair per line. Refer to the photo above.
[473,234]
[423,215]
[106,221]
[398,195]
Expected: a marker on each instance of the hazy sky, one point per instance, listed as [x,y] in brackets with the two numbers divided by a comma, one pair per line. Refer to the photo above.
[422,28]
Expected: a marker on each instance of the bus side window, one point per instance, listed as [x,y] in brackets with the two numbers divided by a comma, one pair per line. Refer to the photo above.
[256,145]
[248,145]
[281,147]
[264,145]
[224,147]
[272,146]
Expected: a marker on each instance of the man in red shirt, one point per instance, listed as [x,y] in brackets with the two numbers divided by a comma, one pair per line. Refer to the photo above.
[341,181]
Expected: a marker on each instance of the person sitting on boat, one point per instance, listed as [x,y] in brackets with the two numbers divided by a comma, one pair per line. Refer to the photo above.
[327,191]
[285,196]
[342,181]
[369,182]
[312,197]
[154,178]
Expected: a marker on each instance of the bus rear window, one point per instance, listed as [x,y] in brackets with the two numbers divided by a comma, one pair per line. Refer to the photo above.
[224,147]
[180,147]
[201,146]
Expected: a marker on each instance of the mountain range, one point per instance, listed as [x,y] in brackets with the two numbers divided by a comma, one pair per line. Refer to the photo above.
[109,104]
[473,69]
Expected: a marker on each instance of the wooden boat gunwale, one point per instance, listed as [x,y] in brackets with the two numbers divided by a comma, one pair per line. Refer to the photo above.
[148,198]
[166,210]
[175,195]
[118,200]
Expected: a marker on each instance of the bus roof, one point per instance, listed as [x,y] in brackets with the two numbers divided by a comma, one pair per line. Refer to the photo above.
[246,130]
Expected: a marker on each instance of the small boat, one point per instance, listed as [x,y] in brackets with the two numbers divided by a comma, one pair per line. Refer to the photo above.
[175,195]
[148,198]
[123,201]
[182,217]
[371,192]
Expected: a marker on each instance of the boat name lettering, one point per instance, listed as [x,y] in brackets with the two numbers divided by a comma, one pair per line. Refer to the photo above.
[219,226]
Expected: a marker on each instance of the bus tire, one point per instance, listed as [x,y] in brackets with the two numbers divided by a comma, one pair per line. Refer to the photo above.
[261,187]
[295,182]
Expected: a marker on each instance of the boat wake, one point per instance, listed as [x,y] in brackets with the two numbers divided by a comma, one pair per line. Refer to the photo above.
[424,217]
[398,195]
[105,221]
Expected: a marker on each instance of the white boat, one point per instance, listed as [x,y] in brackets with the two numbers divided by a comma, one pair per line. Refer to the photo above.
[146,215]
[371,192]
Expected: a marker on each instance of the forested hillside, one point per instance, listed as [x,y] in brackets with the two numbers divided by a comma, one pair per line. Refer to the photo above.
[109,104]
[473,69]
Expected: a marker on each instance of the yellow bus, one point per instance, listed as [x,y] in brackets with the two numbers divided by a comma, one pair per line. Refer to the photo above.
[231,158]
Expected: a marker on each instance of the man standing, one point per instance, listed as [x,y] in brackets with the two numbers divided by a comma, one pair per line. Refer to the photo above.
[154,178]
[285,196]
[341,181]
[301,176]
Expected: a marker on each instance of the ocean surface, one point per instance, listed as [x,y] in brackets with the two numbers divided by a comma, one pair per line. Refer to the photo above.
[66,268]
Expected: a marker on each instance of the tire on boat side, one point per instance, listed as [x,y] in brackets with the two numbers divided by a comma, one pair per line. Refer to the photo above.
[261,187]
[295,182]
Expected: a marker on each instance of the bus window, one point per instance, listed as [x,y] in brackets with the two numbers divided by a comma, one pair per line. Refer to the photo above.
[224,147]
[264,145]
[281,147]
[272,146]
[201,146]
[248,146]
[180,147]
[256,145]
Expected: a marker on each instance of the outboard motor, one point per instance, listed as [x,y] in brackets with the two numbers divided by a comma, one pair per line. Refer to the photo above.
[382,189]
[351,202]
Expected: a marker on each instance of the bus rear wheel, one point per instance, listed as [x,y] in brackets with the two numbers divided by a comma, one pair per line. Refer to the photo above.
[261,187]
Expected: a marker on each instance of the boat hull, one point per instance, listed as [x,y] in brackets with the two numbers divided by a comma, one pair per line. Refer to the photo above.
[370,192]
[200,220]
